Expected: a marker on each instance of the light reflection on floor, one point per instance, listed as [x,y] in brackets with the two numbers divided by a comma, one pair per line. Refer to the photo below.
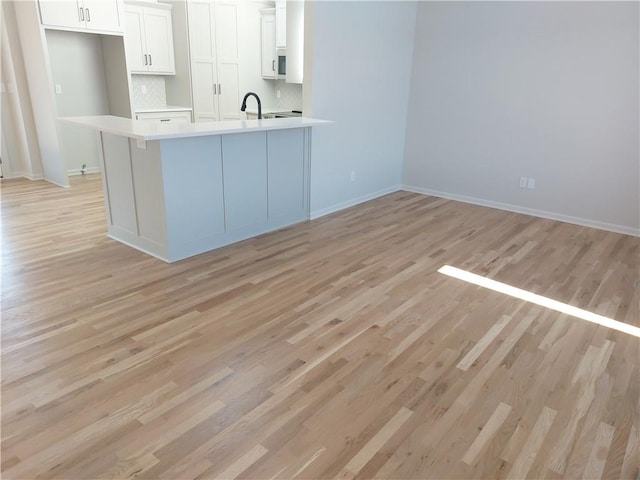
[539,300]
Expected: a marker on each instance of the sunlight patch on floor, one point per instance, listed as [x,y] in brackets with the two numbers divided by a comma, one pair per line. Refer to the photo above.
[539,300]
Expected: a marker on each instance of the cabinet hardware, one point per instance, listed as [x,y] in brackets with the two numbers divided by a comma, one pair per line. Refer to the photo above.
[88,15]
[165,119]
[273,65]
[219,89]
[81,10]
[214,89]
[150,61]
[145,59]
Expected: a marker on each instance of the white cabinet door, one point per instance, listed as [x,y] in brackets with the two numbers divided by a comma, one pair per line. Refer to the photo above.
[102,15]
[226,16]
[295,41]
[134,39]
[204,85]
[94,15]
[268,31]
[149,40]
[281,23]
[61,13]
[159,40]
[213,42]
[204,74]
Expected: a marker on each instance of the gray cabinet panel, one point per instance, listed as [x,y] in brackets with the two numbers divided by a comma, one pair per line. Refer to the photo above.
[119,182]
[245,179]
[286,179]
[193,190]
[149,191]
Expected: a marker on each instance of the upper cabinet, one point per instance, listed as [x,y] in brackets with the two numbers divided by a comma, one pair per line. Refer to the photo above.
[102,16]
[295,41]
[281,23]
[149,38]
[268,37]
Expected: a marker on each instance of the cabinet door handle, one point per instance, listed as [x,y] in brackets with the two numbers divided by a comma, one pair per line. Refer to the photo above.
[165,119]
[145,59]
[215,91]
[88,15]
[273,65]
[150,61]
[219,89]
[81,14]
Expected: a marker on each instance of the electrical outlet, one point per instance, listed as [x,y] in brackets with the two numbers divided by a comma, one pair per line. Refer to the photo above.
[531,183]
[143,89]
[278,93]
[58,89]
[523,182]
[353,176]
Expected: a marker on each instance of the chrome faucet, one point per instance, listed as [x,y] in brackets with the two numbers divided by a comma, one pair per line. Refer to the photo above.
[244,104]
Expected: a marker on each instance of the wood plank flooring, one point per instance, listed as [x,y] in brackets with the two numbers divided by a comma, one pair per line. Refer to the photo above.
[332,349]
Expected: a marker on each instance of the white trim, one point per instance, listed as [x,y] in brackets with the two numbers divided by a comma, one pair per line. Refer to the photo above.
[354,201]
[584,222]
[78,171]
[27,175]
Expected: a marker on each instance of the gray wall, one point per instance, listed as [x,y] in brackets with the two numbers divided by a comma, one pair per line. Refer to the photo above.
[77,65]
[358,76]
[547,90]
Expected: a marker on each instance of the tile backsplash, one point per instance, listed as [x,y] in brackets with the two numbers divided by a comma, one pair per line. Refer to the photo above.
[290,96]
[155,95]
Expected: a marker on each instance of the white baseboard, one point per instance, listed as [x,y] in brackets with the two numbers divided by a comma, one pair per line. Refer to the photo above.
[26,175]
[584,222]
[355,201]
[78,171]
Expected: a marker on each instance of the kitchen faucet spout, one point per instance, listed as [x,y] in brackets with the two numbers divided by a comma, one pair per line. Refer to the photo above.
[244,104]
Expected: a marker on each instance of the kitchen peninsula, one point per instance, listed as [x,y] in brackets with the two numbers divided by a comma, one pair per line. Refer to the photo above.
[179,189]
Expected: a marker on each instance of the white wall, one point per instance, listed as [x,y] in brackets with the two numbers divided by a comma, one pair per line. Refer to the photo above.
[547,90]
[357,73]
[20,152]
[77,65]
[40,87]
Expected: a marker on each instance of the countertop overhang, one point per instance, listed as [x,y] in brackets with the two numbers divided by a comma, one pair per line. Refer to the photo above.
[147,130]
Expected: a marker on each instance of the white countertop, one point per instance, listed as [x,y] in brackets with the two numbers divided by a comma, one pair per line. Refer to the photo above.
[161,108]
[161,131]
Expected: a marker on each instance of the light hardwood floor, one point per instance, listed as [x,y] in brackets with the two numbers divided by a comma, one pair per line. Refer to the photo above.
[330,349]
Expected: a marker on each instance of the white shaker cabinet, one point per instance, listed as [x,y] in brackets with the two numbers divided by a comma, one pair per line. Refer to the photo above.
[92,15]
[165,117]
[149,38]
[295,41]
[281,24]
[213,45]
[268,43]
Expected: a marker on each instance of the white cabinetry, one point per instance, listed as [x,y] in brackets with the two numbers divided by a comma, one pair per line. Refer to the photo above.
[295,41]
[213,42]
[281,23]
[93,15]
[166,116]
[149,38]
[268,43]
